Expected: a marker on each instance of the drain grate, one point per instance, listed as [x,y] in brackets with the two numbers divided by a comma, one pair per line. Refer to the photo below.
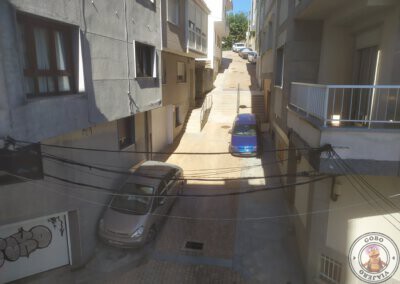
[194,245]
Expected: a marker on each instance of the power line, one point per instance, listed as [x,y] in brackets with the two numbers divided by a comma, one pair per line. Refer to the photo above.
[304,174]
[154,153]
[362,193]
[261,218]
[365,182]
[201,169]
[192,195]
[196,172]
[187,177]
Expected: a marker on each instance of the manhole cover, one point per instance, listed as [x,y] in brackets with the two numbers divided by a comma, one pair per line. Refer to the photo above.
[225,126]
[194,245]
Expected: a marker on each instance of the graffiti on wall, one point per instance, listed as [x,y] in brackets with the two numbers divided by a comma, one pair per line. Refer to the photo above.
[23,243]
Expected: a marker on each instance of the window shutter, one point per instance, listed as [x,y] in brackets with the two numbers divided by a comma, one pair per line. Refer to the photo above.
[134,56]
[154,63]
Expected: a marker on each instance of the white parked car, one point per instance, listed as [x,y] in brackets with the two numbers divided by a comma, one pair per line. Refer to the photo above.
[237,46]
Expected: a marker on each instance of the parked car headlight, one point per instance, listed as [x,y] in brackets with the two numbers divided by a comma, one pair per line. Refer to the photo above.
[138,232]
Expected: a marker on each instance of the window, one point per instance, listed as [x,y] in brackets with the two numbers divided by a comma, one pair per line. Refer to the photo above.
[269,35]
[126,131]
[173,11]
[47,56]
[330,270]
[279,67]
[177,117]
[145,60]
[197,26]
[181,72]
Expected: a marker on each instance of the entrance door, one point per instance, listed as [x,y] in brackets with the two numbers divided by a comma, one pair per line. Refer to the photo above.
[33,246]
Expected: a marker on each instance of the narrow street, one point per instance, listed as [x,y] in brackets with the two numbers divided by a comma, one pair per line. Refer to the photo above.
[246,238]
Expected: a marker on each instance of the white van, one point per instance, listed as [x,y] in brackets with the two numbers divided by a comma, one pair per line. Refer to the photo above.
[237,46]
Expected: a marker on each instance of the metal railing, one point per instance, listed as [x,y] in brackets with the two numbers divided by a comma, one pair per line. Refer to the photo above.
[205,110]
[359,105]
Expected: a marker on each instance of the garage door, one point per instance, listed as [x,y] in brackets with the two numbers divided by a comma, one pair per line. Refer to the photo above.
[33,246]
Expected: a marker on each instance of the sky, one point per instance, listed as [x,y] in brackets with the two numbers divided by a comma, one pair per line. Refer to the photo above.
[241,6]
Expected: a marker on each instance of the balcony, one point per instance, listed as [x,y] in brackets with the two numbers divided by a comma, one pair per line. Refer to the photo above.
[352,118]
[367,106]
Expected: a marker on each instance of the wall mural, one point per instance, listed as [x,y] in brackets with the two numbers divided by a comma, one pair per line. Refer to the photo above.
[23,243]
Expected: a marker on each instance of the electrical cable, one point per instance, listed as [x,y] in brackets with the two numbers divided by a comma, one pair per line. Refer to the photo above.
[261,218]
[192,195]
[365,182]
[348,177]
[154,153]
[160,178]
[189,177]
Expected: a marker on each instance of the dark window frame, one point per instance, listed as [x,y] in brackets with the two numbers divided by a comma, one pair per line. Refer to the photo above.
[139,64]
[28,23]
[177,117]
[184,77]
[129,128]
[280,66]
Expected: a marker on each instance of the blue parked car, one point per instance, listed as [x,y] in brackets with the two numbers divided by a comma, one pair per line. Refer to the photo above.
[245,140]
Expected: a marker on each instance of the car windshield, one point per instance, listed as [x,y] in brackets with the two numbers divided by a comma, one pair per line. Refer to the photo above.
[130,203]
[244,130]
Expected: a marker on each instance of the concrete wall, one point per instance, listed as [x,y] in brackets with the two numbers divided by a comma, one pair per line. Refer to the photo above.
[105,35]
[29,200]
[160,129]
[353,216]
[343,37]
[107,30]
[178,94]
[174,92]
[174,36]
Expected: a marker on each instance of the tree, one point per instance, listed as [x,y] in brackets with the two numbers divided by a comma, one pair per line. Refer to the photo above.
[237,29]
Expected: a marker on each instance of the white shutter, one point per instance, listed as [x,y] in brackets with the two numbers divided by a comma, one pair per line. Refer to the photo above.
[154,63]
[134,60]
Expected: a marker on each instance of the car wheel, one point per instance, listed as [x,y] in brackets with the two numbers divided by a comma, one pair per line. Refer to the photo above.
[151,235]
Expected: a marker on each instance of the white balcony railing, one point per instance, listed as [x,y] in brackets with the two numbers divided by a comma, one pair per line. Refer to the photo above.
[355,105]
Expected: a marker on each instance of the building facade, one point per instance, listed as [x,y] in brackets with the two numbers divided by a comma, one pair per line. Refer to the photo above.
[332,69]
[184,38]
[74,74]
[217,29]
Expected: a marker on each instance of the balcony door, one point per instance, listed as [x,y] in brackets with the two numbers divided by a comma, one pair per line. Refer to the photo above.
[365,65]
[364,74]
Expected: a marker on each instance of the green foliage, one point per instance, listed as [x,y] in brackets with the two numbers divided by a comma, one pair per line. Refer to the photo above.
[237,29]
